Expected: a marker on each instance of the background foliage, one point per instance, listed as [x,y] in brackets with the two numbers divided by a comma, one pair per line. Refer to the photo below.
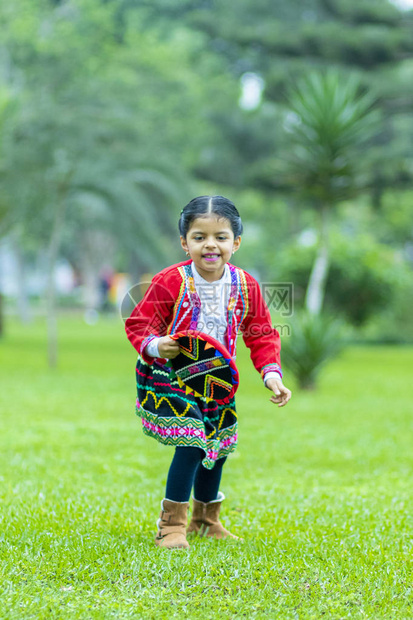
[114,114]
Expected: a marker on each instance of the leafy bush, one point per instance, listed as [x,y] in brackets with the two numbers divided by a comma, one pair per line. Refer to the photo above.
[395,324]
[314,341]
[363,278]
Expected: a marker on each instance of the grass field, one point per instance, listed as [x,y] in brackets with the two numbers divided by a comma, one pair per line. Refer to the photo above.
[321,491]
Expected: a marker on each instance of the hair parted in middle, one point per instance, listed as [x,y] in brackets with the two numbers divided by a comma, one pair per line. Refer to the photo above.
[210,205]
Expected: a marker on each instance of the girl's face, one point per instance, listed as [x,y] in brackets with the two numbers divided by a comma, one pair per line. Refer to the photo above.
[210,243]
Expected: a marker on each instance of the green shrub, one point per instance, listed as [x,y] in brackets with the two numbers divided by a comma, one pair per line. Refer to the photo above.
[313,342]
[363,278]
[395,324]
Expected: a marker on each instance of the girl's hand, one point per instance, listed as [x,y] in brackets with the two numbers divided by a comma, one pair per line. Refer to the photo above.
[281,394]
[168,348]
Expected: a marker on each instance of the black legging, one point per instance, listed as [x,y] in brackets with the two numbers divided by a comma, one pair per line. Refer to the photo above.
[186,471]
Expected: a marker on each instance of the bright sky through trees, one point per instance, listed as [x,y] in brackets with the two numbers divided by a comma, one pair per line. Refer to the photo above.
[403,4]
[252,87]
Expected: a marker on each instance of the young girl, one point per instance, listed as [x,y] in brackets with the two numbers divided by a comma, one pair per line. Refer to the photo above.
[210,295]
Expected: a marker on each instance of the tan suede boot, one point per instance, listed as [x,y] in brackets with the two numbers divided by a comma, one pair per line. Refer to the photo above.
[172,525]
[205,519]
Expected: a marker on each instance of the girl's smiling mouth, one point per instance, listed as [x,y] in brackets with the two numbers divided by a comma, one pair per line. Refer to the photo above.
[210,257]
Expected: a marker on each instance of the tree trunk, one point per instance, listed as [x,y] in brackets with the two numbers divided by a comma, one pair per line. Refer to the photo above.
[53,251]
[1,301]
[318,277]
[23,305]
[91,298]
[97,256]
[1,315]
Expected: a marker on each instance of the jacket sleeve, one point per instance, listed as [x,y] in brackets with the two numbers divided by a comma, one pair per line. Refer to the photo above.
[259,335]
[151,317]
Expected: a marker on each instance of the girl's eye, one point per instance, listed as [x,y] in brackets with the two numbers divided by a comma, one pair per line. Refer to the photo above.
[200,238]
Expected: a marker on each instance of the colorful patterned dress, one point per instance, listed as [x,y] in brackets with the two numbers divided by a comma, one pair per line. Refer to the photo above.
[172,304]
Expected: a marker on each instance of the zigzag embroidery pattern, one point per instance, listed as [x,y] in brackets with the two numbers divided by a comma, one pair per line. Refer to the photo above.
[189,432]
[212,382]
[158,403]
[192,350]
[215,430]
[156,371]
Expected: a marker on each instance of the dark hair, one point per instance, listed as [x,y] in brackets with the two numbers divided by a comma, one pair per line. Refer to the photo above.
[206,205]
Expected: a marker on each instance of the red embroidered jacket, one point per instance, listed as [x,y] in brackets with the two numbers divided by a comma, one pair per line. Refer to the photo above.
[171,304]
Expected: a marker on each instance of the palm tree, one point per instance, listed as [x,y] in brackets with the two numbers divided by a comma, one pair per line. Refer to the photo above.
[77,185]
[124,207]
[329,121]
[134,206]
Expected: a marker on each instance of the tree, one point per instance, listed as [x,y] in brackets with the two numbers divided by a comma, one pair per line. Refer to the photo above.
[329,122]
[6,209]
[80,135]
[282,41]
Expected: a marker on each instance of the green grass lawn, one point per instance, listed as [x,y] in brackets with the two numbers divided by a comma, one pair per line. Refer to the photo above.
[321,491]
